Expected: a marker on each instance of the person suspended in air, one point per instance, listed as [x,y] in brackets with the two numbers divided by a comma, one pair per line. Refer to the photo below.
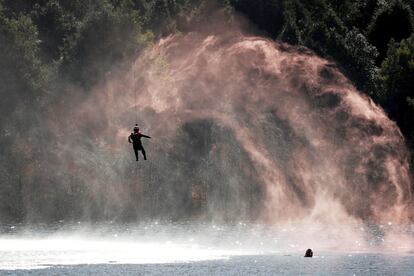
[135,139]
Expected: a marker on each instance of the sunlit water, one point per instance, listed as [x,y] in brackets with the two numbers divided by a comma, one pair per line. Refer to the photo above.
[205,248]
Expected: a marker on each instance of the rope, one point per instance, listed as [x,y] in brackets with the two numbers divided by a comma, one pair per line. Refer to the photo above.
[148,188]
[135,91]
[136,117]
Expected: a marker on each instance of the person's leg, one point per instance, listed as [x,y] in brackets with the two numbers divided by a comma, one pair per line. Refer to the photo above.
[143,153]
[136,153]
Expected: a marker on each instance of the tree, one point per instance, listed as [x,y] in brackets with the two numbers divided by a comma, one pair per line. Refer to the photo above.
[393,20]
[21,83]
[106,37]
[361,55]
[396,84]
[19,49]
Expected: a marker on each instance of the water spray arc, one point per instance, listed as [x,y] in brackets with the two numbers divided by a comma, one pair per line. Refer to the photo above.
[313,140]
[260,130]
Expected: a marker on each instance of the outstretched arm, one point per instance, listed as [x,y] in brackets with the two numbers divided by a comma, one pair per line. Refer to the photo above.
[146,136]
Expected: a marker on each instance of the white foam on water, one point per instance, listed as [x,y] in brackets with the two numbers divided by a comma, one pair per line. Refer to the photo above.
[164,243]
[21,253]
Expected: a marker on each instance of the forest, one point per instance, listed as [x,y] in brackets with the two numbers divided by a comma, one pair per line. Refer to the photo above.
[43,42]
[54,49]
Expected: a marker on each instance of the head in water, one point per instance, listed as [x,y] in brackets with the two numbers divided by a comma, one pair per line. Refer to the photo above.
[309,253]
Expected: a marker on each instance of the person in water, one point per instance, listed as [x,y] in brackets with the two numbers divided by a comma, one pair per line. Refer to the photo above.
[309,253]
[135,139]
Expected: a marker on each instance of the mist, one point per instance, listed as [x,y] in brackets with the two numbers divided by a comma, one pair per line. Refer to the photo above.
[258,148]
[243,128]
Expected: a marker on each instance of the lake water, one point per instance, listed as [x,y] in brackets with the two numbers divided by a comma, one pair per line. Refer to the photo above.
[205,249]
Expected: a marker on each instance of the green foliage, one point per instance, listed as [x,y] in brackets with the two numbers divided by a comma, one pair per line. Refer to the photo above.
[82,40]
[396,75]
[361,55]
[317,25]
[107,36]
[394,20]
[356,35]
[46,45]
[21,81]
[355,14]
[19,48]
[55,24]
[395,81]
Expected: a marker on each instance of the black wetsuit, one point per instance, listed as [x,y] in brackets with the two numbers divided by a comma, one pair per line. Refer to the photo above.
[135,139]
